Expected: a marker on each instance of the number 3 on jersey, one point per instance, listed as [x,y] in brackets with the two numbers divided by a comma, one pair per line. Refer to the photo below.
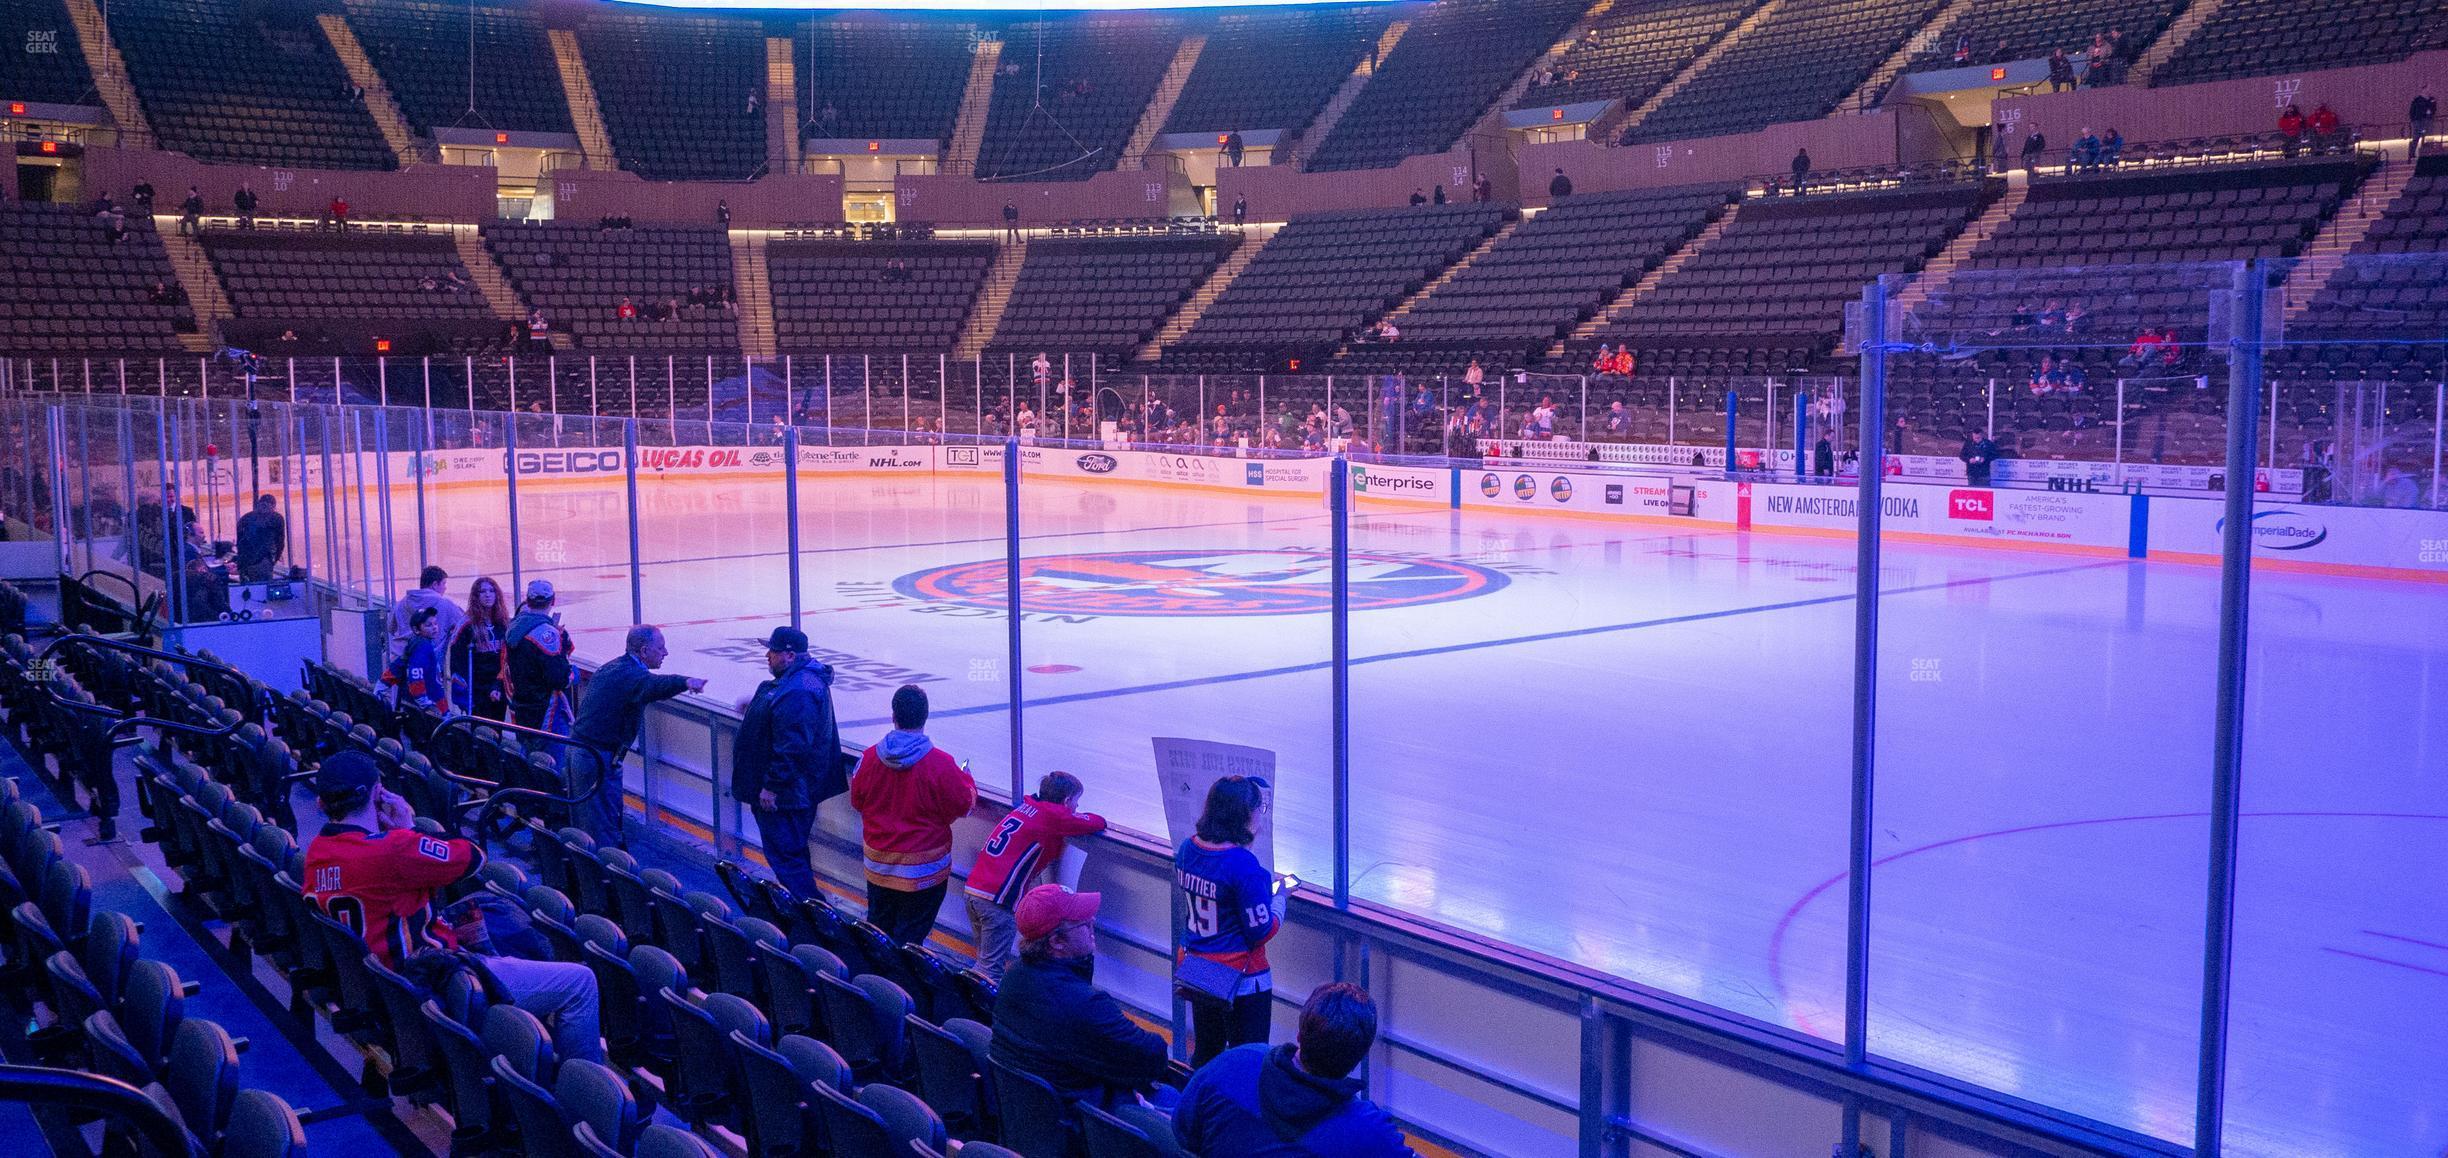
[1003,834]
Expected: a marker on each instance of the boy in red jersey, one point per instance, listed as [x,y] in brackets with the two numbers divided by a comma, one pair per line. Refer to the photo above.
[371,870]
[1028,841]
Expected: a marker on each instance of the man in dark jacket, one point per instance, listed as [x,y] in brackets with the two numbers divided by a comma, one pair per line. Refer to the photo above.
[262,536]
[538,663]
[1979,454]
[787,758]
[1801,171]
[1560,186]
[1052,1021]
[1291,1101]
[609,720]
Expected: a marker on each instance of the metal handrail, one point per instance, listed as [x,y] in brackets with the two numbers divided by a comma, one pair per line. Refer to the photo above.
[108,1096]
[125,722]
[496,793]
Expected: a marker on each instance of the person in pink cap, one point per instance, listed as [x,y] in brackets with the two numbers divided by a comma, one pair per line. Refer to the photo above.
[1051,1020]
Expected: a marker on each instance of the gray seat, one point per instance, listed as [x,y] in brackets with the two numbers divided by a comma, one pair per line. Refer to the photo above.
[592,1095]
[864,1015]
[542,1130]
[261,1125]
[779,1116]
[202,1078]
[951,1060]
[515,1034]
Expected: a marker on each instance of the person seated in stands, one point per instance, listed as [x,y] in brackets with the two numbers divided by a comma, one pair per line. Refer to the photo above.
[1418,197]
[165,294]
[338,213]
[103,206]
[1387,332]
[1618,420]
[2051,315]
[370,867]
[116,222]
[1051,1020]
[626,311]
[539,330]
[2003,53]
[2087,150]
[2044,375]
[2070,376]
[2291,128]
[2060,70]
[1963,49]
[1261,1101]
[142,194]
[2144,351]
[1604,363]
[2077,318]
[1624,362]
[727,300]
[2328,136]
[2112,147]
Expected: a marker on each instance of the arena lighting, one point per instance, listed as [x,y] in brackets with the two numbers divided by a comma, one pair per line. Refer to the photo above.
[1015,6]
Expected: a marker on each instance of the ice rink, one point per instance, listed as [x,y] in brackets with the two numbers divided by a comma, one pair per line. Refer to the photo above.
[1627,746]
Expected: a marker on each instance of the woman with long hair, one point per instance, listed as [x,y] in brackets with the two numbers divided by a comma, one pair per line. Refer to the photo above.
[476,651]
[1232,909]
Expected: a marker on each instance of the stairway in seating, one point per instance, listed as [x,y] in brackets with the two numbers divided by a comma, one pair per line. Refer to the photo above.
[755,292]
[586,116]
[203,285]
[110,75]
[2178,32]
[1858,100]
[2321,260]
[1934,276]
[378,100]
[993,296]
[1292,153]
[1403,309]
[969,128]
[1160,107]
[1698,65]
[1253,239]
[502,300]
[1623,302]
[1493,119]
[782,143]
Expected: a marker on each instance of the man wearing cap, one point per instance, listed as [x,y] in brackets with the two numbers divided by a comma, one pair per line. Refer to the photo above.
[787,758]
[614,711]
[1051,1020]
[370,869]
[537,664]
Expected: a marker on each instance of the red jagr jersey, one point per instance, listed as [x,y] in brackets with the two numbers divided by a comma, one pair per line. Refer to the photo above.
[383,886]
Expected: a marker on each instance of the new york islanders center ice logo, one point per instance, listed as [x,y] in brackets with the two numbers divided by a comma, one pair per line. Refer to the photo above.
[1157,583]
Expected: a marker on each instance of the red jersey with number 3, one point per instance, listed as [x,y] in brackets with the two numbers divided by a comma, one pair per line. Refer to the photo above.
[383,885]
[1030,838]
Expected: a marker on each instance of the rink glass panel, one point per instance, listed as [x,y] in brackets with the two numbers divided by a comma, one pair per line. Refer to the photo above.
[868,521]
[1195,612]
[2000,672]
[1570,717]
[2339,949]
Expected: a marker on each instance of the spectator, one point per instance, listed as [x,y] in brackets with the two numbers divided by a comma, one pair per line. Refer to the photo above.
[1029,840]
[262,537]
[828,115]
[2420,112]
[415,677]
[536,663]
[2291,128]
[1294,1100]
[1418,198]
[2144,351]
[722,212]
[1618,420]
[338,212]
[1387,331]
[2087,150]
[1823,458]
[2112,147]
[609,720]
[116,222]
[1041,370]
[1050,1019]
[244,202]
[1559,186]
[426,595]
[626,311]
[1011,221]
[2002,54]
[1604,363]
[1232,148]
[1963,49]
[539,331]
[1623,363]
[1231,909]
[1801,171]
[2327,135]
[1979,454]
[370,864]
[1240,210]
[787,757]
[476,651]
[191,211]
[2060,70]
[142,195]
[1472,376]
[165,294]
[2034,147]
[907,793]
[1483,190]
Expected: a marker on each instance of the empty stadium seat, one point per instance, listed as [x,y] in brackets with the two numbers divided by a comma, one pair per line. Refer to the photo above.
[228,81]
